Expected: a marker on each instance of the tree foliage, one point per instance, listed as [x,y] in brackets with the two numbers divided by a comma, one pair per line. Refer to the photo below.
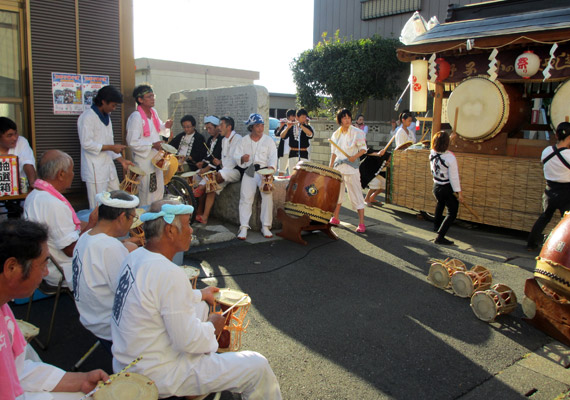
[349,71]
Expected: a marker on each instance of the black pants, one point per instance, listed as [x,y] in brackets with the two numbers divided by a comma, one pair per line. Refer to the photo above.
[555,197]
[445,198]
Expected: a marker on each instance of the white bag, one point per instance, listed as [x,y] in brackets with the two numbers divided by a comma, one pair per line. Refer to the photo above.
[416,26]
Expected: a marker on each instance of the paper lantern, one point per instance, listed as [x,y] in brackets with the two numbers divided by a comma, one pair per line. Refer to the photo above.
[418,92]
[443,69]
[527,64]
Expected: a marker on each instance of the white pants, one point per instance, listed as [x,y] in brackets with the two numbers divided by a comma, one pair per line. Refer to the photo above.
[379,182]
[352,183]
[293,161]
[94,188]
[283,162]
[249,186]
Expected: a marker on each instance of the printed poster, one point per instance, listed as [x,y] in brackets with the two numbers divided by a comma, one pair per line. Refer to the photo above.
[90,86]
[73,93]
[9,176]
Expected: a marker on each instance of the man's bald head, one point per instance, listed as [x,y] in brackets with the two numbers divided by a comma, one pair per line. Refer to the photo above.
[52,163]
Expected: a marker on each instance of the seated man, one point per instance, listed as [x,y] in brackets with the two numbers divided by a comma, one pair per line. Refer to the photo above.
[190,143]
[228,172]
[23,260]
[158,315]
[13,144]
[97,260]
[47,205]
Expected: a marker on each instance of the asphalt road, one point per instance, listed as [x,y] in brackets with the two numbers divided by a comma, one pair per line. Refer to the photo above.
[356,318]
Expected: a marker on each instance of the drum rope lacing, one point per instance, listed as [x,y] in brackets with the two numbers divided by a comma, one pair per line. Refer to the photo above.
[552,276]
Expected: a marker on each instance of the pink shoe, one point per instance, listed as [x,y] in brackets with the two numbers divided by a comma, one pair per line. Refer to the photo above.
[361,228]
[334,221]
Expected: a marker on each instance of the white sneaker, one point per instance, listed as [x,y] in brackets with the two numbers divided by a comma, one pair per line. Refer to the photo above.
[266,232]
[242,235]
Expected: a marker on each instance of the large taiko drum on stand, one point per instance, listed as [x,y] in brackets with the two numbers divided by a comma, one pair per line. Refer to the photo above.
[313,190]
[553,263]
[560,107]
[486,108]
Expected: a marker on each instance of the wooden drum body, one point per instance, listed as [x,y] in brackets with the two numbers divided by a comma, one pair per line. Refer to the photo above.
[488,304]
[441,271]
[161,159]
[553,263]
[192,273]
[560,107]
[230,338]
[130,183]
[266,179]
[465,283]
[313,191]
[211,184]
[191,178]
[486,108]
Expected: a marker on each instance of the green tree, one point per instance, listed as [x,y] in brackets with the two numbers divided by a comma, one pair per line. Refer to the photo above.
[344,73]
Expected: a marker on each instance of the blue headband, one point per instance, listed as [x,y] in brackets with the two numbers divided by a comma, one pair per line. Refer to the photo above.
[168,212]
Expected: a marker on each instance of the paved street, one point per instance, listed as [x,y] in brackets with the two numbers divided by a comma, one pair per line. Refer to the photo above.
[357,319]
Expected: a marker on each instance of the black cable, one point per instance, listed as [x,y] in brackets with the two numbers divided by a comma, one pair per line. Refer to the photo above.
[274,269]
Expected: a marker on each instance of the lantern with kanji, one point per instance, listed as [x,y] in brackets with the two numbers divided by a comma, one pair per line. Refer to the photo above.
[418,86]
[443,69]
[527,64]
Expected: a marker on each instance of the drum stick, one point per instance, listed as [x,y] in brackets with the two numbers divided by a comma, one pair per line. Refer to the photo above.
[235,304]
[472,211]
[95,177]
[567,119]
[207,148]
[338,148]
[455,122]
[385,147]
[136,360]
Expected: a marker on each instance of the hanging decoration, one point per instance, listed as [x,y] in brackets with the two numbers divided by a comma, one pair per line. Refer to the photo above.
[443,69]
[546,72]
[418,93]
[492,71]
[527,64]
[432,68]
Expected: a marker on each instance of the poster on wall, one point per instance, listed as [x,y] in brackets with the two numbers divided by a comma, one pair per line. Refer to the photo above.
[73,93]
[91,85]
[9,176]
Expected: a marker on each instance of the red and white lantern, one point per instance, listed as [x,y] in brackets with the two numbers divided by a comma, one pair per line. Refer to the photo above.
[443,69]
[527,64]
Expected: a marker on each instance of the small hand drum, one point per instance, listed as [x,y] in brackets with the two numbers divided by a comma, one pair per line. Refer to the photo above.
[191,178]
[182,166]
[465,283]
[28,330]
[161,159]
[441,271]
[132,180]
[211,183]
[267,180]
[127,386]
[192,273]
[230,338]
[137,230]
[490,303]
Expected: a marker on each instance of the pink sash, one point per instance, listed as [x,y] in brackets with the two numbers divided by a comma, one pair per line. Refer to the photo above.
[146,126]
[48,187]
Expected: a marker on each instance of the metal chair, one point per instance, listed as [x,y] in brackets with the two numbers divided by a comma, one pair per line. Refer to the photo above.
[50,290]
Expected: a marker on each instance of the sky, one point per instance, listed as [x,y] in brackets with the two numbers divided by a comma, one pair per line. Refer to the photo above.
[255,35]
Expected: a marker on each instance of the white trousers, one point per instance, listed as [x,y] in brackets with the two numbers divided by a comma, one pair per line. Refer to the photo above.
[93,189]
[249,186]
[145,195]
[352,184]
[293,161]
[283,163]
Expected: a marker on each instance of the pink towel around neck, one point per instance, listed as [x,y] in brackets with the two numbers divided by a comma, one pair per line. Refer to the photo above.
[146,126]
[48,187]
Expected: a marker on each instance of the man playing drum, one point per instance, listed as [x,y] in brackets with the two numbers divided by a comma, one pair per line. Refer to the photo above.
[190,143]
[23,263]
[157,314]
[97,145]
[97,260]
[144,131]
[256,151]
[556,164]
[48,206]
[228,173]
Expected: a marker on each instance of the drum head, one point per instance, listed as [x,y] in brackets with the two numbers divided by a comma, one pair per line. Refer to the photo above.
[483,108]
[188,174]
[439,276]
[484,306]
[266,171]
[462,284]
[28,330]
[137,170]
[560,107]
[137,221]
[191,272]
[229,297]
[128,386]
[168,148]
[404,146]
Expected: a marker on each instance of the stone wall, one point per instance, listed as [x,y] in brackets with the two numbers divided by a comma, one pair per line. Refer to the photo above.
[378,135]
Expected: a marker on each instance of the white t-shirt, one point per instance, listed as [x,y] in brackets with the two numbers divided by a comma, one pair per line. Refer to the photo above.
[42,207]
[96,264]
[93,134]
[554,169]
[155,315]
[24,153]
[229,148]
[353,141]
[263,152]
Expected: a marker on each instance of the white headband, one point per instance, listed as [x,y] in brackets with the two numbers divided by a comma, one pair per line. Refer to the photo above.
[105,199]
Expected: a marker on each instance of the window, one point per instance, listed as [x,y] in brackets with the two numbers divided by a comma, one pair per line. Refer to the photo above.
[370,9]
